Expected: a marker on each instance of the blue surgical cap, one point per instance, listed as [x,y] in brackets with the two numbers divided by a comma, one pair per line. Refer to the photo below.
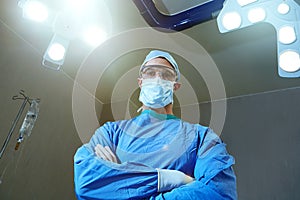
[157,54]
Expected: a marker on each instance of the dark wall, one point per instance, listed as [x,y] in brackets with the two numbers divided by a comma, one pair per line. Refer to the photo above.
[263,133]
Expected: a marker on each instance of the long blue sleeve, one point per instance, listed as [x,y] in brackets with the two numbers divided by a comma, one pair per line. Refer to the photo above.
[214,176]
[98,179]
[221,187]
[95,178]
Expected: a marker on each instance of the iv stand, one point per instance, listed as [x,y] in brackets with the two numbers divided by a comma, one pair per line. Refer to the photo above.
[25,100]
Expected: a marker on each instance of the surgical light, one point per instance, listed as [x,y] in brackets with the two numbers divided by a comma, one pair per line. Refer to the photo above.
[68,24]
[231,20]
[77,4]
[256,15]
[283,8]
[289,61]
[81,7]
[287,35]
[55,54]
[94,36]
[284,15]
[34,10]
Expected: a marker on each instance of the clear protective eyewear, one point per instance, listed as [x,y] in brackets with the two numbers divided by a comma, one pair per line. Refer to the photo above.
[166,73]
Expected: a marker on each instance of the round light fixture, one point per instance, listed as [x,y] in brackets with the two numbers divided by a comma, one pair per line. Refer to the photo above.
[36,11]
[56,52]
[256,15]
[289,61]
[94,36]
[231,20]
[287,35]
[283,8]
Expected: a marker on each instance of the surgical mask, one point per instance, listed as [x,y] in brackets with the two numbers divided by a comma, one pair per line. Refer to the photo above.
[156,92]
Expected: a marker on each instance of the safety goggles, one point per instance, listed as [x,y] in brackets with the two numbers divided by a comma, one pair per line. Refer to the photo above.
[151,71]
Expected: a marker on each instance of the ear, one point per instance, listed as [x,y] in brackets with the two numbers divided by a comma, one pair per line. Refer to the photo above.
[177,86]
[139,82]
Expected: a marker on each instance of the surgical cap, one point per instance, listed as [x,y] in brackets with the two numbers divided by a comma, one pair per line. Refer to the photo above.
[157,54]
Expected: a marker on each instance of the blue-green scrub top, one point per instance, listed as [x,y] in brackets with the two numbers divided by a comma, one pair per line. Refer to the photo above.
[151,141]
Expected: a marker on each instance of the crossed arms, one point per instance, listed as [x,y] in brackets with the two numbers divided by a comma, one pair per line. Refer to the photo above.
[98,174]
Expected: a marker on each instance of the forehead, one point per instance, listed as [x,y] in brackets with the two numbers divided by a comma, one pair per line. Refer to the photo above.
[159,61]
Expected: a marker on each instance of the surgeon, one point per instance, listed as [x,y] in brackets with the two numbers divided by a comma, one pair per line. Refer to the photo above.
[155,155]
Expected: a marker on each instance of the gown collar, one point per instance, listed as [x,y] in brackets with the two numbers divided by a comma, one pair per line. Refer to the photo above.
[159,116]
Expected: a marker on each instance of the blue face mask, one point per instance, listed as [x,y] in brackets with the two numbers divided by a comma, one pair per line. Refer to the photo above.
[156,93]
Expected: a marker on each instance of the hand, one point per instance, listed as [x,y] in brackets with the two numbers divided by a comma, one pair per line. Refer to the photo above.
[105,153]
[169,179]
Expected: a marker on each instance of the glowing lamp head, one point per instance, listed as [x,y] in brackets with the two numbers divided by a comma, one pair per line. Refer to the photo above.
[283,8]
[94,36]
[231,20]
[256,15]
[287,35]
[56,52]
[35,10]
[289,61]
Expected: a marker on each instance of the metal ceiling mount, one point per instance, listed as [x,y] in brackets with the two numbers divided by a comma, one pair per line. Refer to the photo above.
[205,11]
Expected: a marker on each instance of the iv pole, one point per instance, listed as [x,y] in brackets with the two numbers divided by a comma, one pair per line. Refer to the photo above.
[25,100]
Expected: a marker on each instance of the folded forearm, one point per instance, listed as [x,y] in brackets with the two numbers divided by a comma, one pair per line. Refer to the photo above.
[100,179]
[221,187]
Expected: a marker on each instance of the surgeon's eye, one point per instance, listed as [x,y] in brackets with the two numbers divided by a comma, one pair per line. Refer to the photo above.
[149,73]
[167,75]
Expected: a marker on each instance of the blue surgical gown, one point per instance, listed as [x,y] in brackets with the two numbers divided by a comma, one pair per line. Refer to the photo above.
[151,141]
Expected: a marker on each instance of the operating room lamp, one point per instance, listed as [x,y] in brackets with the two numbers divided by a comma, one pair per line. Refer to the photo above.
[231,15]
[74,20]
[284,15]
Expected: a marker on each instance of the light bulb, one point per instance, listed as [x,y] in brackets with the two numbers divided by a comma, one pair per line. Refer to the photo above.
[289,61]
[287,35]
[36,11]
[56,52]
[94,36]
[231,20]
[256,15]
[283,8]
